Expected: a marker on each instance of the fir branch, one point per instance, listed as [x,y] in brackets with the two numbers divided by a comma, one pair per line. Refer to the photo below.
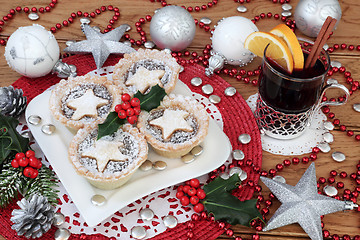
[45,184]
[9,182]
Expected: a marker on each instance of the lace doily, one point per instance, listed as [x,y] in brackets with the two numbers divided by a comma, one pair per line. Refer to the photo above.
[312,136]
[119,225]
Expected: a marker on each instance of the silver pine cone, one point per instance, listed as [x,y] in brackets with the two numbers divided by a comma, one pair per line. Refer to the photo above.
[12,101]
[34,218]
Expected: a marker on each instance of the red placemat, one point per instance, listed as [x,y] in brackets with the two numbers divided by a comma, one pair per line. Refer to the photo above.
[237,118]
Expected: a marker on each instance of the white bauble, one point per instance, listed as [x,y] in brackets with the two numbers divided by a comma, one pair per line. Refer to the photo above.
[228,39]
[310,15]
[32,51]
[172,27]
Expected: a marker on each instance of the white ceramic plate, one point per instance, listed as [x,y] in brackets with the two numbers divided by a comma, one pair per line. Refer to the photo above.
[55,147]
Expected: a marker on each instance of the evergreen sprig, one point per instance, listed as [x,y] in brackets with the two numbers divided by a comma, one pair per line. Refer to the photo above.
[10,179]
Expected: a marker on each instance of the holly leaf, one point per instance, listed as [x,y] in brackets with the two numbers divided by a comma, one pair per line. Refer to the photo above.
[152,99]
[227,207]
[18,143]
[5,142]
[111,125]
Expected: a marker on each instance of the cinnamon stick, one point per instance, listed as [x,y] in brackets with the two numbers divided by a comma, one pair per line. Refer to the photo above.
[320,41]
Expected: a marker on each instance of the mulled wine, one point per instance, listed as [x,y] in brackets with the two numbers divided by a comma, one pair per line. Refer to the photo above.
[291,93]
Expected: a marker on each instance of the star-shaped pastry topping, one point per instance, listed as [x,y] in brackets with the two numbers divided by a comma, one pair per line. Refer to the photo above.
[101,45]
[86,105]
[171,121]
[104,151]
[144,78]
[302,204]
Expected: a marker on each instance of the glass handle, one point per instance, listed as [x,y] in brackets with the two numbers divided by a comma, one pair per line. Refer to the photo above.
[330,103]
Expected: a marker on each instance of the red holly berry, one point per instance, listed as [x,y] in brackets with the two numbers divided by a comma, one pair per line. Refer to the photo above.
[30,153]
[184,200]
[23,162]
[15,163]
[33,162]
[199,207]
[194,200]
[130,112]
[125,105]
[35,173]
[179,195]
[118,108]
[195,182]
[132,119]
[137,110]
[191,192]
[201,194]
[19,155]
[39,165]
[186,188]
[135,102]
[180,188]
[125,97]
[122,114]
[30,172]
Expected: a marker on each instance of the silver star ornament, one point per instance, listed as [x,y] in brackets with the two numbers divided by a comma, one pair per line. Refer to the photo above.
[101,45]
[303,204]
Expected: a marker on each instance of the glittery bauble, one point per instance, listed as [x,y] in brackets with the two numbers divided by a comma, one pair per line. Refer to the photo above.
[172,27]
[310,15]
[32,51]
[229,37]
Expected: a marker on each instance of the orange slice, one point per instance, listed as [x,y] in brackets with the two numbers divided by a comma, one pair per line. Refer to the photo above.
[285,33]
[277,49]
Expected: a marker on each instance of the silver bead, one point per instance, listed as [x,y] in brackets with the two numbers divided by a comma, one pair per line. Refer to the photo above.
[62,234]
[207,89]
[69,42]
[328,137]
[279,179]
[128,27]
[188,158]
[326,46]
[196,81]
[230,91]
[205,20]
[170,221]
[33,16]
[146,214]
[338,156]
[215,99]
[59,219]
[146,166]
[96,28]
[85,20]
[286,7]
[167,50]
[149,44]
[34,120]
[356,107]
[235,170]
[216,62]
[286,14]
[26,134]
[349,205]
[225,176]
[328,125]
[138,232]
[98,200]
[330,190]
[324,147]
[243,176]
[159,165]
[332,81]
[181,69]
[238,154]
[335,63]
[48,129]
[241,9]
[197,150]
[244,138]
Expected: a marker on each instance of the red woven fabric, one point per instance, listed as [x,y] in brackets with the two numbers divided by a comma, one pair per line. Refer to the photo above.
[237,118]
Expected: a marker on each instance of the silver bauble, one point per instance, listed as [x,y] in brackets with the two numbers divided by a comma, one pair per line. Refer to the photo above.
[310,15]
[172,27]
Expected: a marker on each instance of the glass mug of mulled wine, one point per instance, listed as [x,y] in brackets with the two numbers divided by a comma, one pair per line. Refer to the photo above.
[287,102]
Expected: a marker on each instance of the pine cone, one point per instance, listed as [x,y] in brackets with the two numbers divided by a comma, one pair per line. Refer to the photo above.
[34,218]
[12,101]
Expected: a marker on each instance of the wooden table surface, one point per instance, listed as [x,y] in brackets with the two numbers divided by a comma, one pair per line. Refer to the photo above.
[347,32]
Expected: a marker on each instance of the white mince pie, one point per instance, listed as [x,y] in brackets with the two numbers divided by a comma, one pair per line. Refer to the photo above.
[109,162]
[84,100]
[176,126]
[140,70]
